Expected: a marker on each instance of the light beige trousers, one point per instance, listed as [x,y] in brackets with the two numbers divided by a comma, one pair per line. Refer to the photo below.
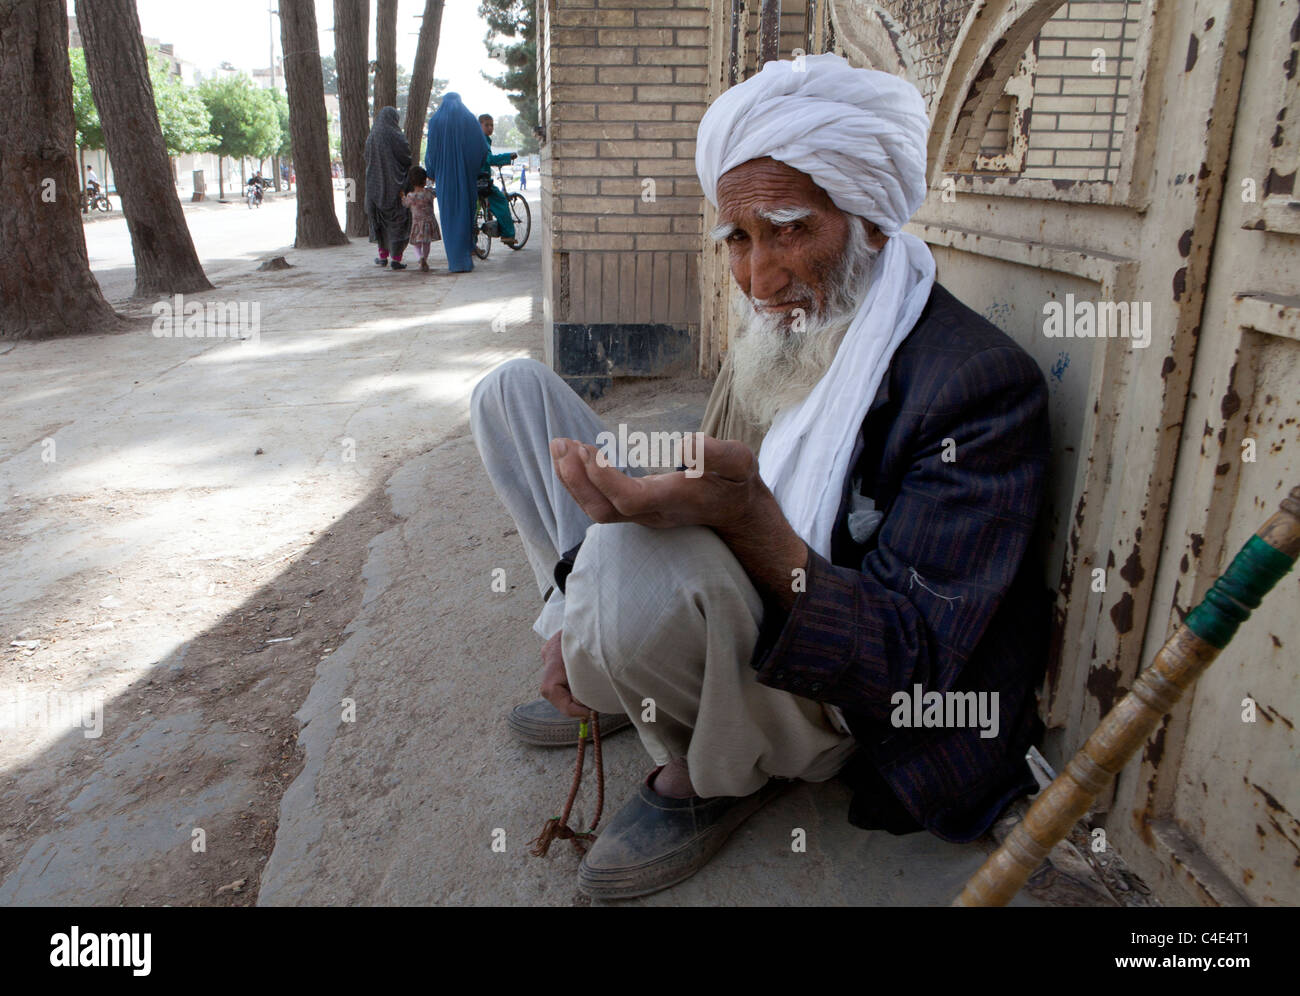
[657,623]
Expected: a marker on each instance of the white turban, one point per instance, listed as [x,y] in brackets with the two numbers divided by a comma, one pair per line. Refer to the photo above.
[861,136]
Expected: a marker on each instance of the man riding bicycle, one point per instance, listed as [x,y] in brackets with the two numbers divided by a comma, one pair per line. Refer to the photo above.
[496,198]
[92,182]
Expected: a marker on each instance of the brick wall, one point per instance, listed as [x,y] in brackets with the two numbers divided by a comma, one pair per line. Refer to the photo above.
[623,88]
[1077,127]
[1077,120]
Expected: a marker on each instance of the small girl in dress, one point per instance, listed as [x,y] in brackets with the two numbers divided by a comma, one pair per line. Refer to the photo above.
[424,226]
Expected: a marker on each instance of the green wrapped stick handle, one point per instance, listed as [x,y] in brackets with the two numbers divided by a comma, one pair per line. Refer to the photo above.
[1262,562]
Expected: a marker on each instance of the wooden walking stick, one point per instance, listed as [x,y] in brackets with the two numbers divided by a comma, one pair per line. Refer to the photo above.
[1262,562]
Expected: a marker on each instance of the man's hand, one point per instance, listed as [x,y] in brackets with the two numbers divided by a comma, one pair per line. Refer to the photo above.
[723,493]
[555,680]
[727,494]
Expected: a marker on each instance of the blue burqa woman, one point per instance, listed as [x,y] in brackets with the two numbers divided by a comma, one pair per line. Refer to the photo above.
[453,156]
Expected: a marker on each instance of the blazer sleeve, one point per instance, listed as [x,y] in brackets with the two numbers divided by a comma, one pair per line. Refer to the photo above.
[947,550]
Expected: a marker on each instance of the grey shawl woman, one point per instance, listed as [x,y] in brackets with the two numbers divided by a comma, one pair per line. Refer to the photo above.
[388,158]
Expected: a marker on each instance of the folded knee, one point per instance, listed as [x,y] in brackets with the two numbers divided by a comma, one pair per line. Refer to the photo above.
[513,375]
[505,381]
[648,588]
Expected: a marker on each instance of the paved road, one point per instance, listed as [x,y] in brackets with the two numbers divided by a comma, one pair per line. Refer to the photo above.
[226,236]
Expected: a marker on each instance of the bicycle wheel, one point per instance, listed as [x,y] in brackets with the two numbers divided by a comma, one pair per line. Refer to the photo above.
[104,203]
[482,241]
[523,218]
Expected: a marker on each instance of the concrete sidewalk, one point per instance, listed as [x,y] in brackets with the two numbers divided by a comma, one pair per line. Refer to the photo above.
[403,805]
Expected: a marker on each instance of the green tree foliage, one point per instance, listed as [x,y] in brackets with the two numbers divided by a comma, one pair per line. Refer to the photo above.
[508,136]
[435,93]
[182,114]
[181,111]
[329,72]
[89,134]
[243,119]
[515,20]
[403,89]
[285,149]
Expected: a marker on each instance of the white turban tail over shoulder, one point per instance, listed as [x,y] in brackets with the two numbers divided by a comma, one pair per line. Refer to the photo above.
[861,135]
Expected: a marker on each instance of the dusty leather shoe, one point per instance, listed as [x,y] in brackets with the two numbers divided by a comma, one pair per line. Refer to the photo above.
[542,725]
[654,841]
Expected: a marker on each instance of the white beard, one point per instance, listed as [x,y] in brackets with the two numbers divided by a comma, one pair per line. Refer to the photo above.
[773,367]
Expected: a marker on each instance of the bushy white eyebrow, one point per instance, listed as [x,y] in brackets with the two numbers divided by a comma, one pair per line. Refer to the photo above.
[785,216]
[777,216]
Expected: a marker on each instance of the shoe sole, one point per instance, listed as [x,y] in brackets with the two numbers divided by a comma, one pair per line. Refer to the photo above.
[673,869]
[555,735]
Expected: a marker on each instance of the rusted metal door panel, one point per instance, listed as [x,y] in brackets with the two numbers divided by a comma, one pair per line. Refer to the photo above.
[1008,293]
[1141,238]
[1237,787]
[1213,813]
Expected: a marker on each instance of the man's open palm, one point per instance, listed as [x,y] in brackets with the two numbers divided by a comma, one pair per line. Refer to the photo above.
[717,496]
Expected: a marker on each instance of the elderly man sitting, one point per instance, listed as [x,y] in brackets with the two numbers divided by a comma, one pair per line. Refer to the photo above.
[774,608]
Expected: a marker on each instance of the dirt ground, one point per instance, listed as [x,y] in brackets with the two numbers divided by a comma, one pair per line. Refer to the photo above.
[238,683]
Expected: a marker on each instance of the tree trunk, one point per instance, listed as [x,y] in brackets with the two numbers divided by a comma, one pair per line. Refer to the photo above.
[118,68]
[46,287]
[317,224]
[385,55]
[426,53]
[351,40]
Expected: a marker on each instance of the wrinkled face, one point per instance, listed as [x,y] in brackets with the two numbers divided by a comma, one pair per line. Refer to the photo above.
[784,235]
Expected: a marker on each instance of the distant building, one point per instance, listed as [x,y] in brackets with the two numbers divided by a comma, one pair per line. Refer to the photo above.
[271,79]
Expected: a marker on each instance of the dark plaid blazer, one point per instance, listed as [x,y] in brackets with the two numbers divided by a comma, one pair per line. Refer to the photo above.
[945,593]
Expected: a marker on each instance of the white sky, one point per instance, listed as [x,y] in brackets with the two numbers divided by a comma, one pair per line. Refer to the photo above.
[240,31]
